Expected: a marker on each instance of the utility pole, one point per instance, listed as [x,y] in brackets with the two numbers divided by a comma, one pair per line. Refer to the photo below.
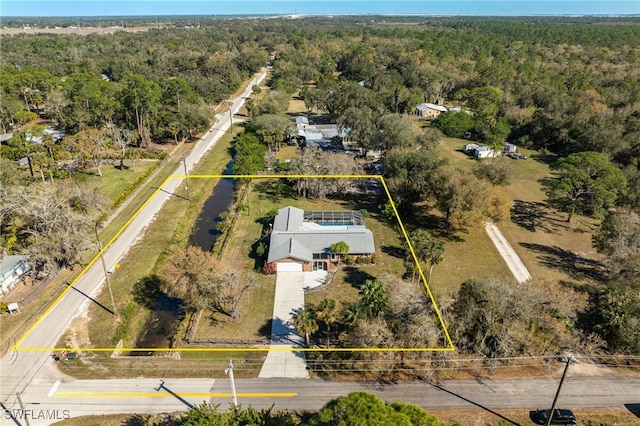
[184,163]
[229,371]
[230,104]
[104,268]
[555,399]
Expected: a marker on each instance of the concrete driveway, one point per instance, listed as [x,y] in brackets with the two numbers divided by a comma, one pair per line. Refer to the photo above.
[281,361]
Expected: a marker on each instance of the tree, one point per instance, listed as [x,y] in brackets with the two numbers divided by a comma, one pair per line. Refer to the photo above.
[122,138]
[587,183]
[461,197]
[56,222]
[363,409]
[616,316]
[373,298]
[272,129]
[201,282]
[305,323]
[454,124]
[189,274]
[328,314]
[499,319]
[409,174]
[619,239]
[203,414]
[426,249]
[314,161]
[498,171]
[141,100]
[340,248]
[87,144]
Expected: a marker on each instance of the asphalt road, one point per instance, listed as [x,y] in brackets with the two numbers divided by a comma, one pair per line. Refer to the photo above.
[84,397]
[32,362]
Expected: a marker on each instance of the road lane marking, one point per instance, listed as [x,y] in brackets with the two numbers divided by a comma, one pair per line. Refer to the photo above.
[165,395]
[54,388]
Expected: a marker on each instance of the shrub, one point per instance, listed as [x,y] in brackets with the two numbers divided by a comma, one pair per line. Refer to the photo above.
[349,260]
[269,268]
[261,249]
[365,213]
[4,307]
[223,226]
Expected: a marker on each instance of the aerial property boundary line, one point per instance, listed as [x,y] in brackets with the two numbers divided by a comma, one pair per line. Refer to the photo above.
[448,348]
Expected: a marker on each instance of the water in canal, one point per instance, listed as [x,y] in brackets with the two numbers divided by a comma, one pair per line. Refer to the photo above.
[205,234]
[163,321]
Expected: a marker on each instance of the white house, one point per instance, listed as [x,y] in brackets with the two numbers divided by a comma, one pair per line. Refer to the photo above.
[12,268]
[301,240]
[479,150]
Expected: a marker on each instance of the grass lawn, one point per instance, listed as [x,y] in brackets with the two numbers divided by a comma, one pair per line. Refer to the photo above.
[257,305]
[287,152]
[113,181]
[553,250]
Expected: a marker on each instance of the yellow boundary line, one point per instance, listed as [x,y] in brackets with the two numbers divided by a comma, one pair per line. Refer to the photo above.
[450,347]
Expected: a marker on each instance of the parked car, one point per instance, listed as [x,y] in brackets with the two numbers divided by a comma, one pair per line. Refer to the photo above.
[561,416]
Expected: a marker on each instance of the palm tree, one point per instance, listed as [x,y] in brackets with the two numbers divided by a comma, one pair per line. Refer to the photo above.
[373,298]
[352,314]
[427,248]
[305,323]
[328,314]
[436,255]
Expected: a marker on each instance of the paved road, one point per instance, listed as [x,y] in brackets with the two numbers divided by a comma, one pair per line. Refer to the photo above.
[84,397]
[19,369]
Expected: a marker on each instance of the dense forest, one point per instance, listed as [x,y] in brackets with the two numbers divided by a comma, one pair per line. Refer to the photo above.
[568,87]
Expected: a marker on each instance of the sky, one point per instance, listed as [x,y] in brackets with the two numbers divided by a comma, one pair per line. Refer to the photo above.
[55,8]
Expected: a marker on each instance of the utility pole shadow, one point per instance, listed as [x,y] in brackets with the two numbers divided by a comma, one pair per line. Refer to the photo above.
[475,403]
[170,193]
[8,414]
[90,298]
[178,397]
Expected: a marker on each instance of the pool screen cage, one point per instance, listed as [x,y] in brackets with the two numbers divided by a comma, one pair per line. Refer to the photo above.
[338,217]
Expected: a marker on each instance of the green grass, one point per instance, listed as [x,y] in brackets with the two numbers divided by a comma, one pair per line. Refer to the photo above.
[257,305]
[113,181]
[543,239]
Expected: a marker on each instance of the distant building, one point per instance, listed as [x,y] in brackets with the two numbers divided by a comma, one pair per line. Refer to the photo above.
[428,110]
[509,147]
[300,240]
[12,268]
[479,150]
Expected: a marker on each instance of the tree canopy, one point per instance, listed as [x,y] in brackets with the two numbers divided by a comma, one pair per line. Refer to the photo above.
[587,183]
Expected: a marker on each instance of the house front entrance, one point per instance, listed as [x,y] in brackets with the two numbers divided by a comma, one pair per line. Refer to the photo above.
[319,266]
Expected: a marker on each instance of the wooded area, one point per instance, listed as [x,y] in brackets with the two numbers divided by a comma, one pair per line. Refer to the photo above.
[567,87]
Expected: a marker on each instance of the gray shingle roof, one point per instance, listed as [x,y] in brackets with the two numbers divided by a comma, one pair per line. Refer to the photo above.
[292,237]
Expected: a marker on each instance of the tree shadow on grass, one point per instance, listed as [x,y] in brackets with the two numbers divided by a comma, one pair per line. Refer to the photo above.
[265,329]
[394,251]
[531,216]
[275,190]
[571,263]
[356,276]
